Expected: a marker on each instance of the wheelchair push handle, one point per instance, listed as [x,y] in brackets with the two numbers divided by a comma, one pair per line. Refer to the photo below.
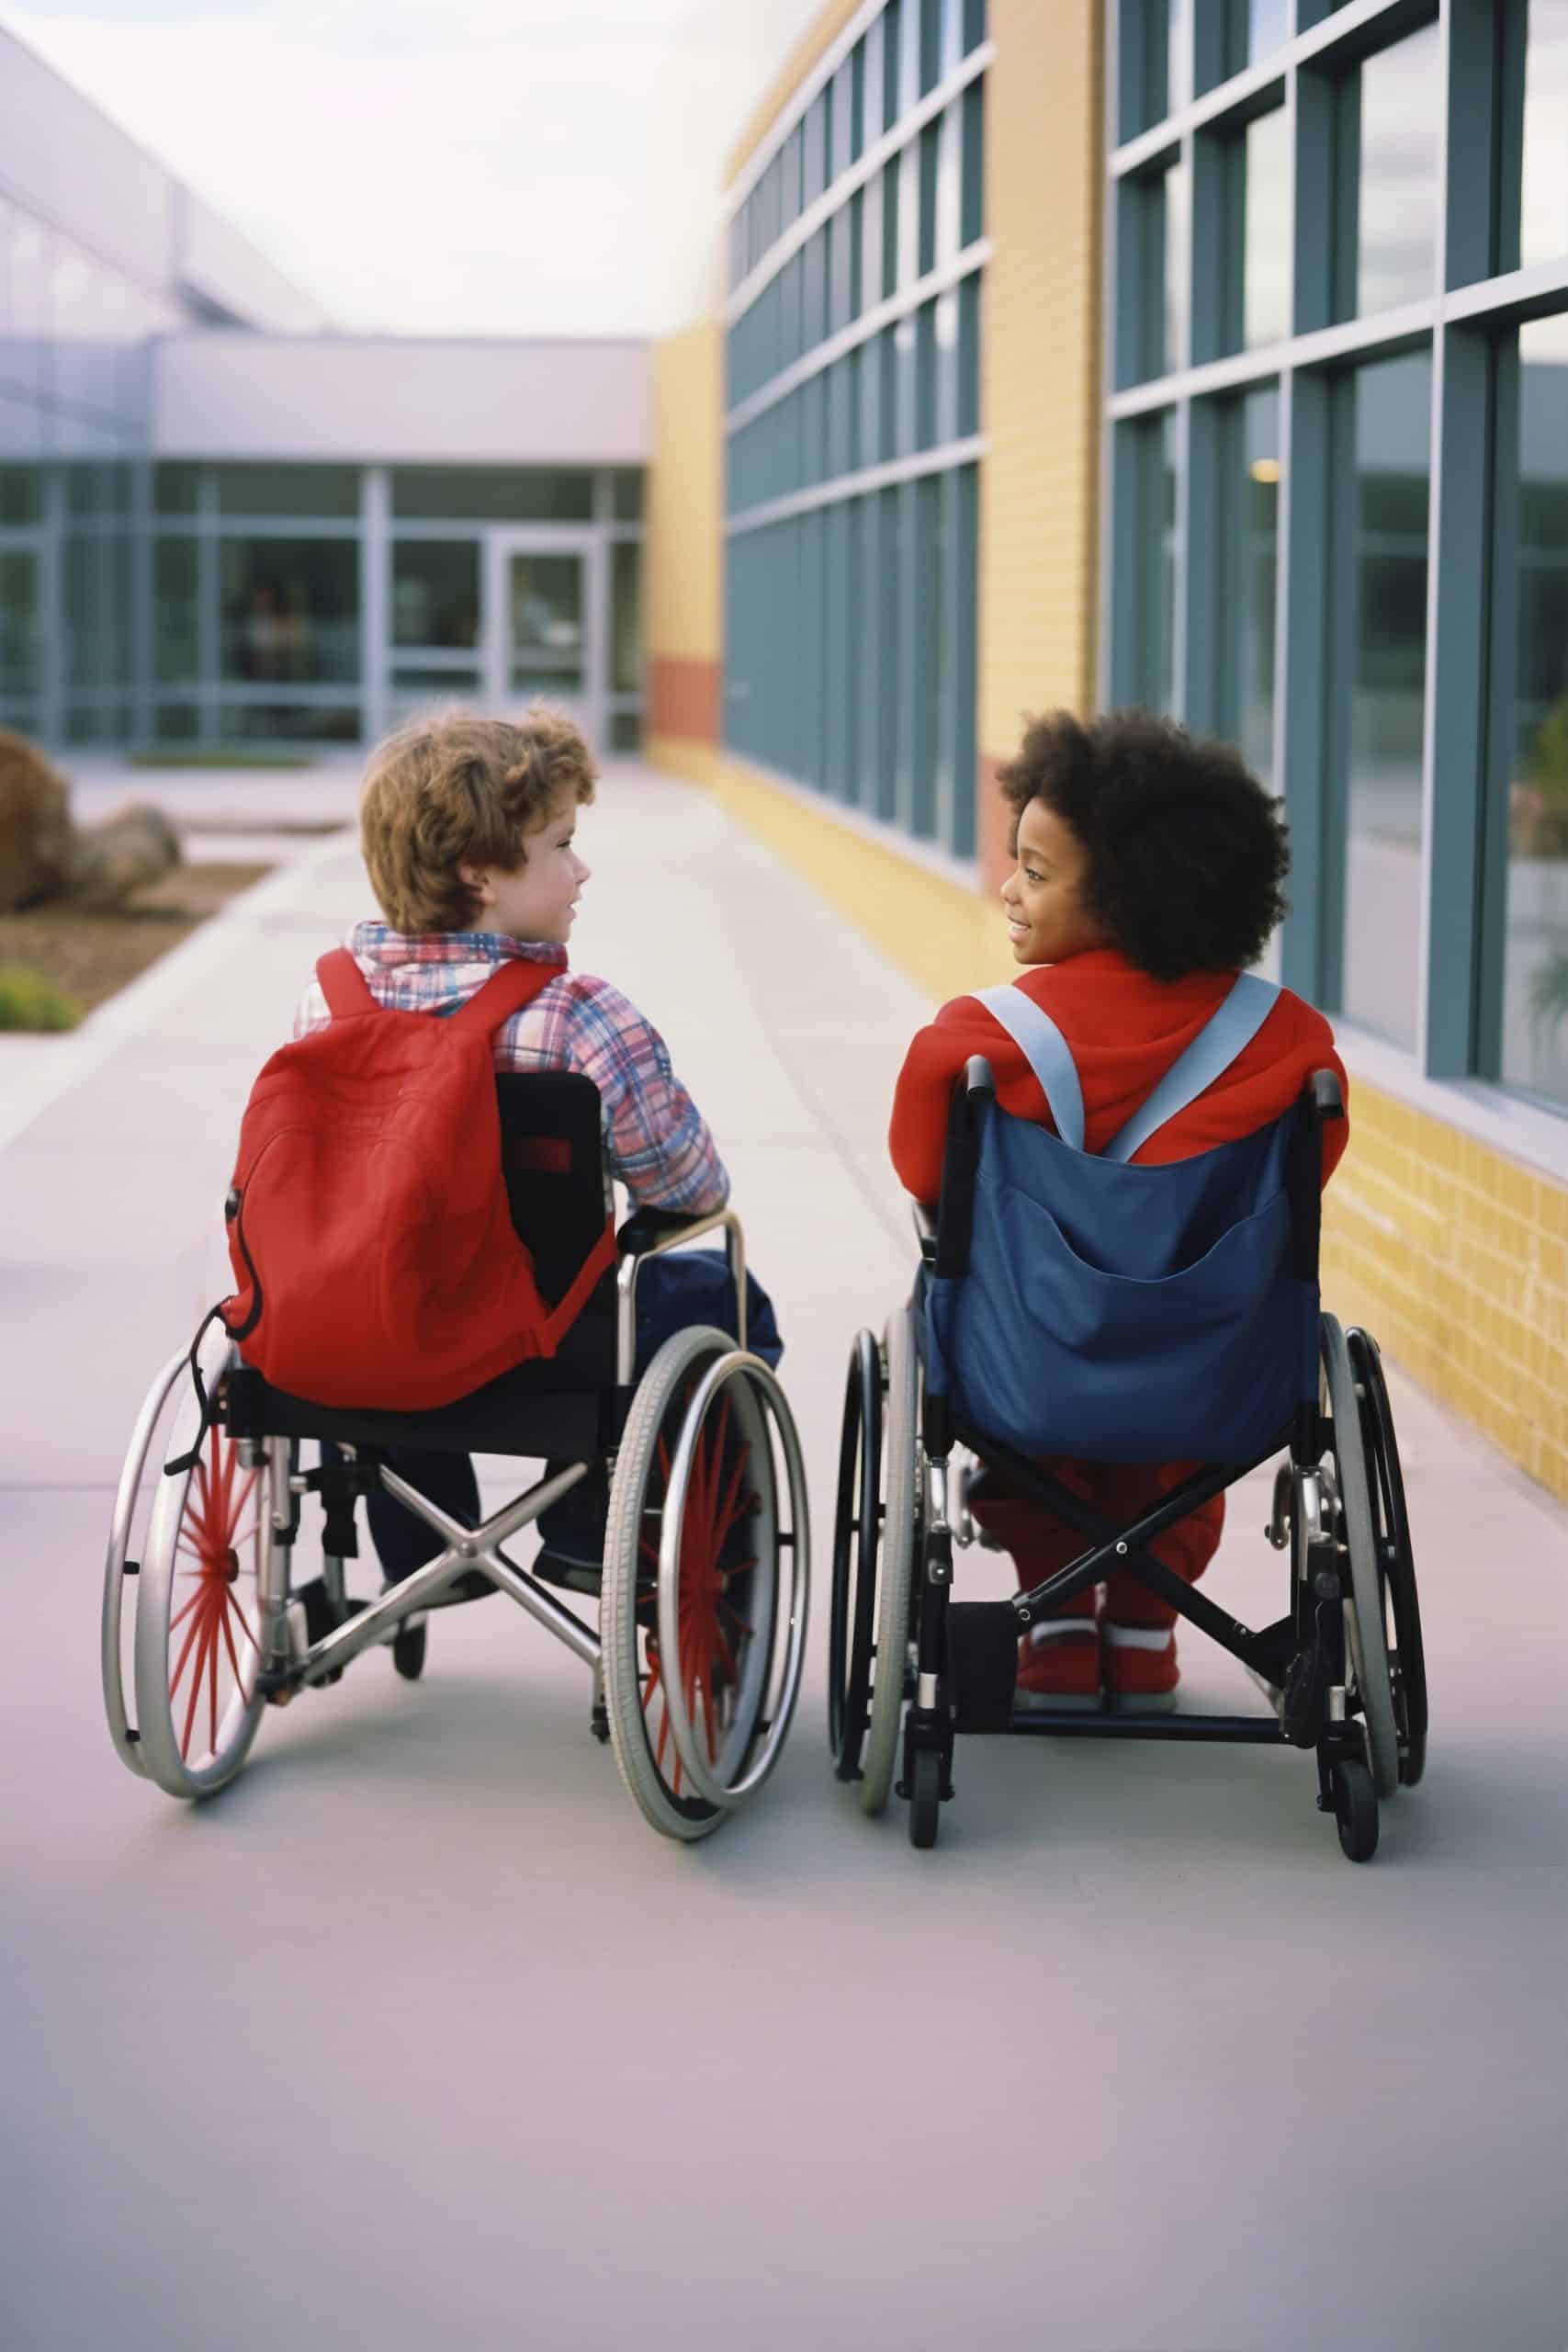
[1327,1100]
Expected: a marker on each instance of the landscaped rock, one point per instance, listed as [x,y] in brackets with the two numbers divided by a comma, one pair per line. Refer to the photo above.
[135,846]
[37,838]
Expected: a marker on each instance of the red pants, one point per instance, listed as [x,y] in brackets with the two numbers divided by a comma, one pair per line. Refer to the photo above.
[1041,1542]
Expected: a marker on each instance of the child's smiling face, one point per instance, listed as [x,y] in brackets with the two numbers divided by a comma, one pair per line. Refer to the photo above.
[539,901]
[1047,918]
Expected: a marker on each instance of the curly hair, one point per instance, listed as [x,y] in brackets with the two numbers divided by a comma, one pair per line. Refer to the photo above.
[456,790]
[1185,850]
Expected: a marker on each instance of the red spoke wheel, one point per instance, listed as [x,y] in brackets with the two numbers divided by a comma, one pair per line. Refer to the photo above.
[197,1612]
[695,1682]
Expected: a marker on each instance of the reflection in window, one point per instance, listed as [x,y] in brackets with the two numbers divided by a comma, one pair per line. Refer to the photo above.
[273,722]
[435,592]
[1544,211]
[1391,115]
[290,610]
[1266,231]
[1253,30]
[21,495]
[1387,642]
[1535,670]
[1247,538]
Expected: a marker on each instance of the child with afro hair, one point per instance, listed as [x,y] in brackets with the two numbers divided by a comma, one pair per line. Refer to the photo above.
[1146,875]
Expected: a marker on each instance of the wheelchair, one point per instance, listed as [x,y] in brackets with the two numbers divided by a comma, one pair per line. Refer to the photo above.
[702,1599]
[910,1668]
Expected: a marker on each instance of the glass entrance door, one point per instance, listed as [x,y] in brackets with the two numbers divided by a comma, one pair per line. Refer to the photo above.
[545,637]
[21,641]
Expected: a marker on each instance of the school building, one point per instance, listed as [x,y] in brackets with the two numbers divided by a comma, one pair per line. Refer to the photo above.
[1206,354]
[1211,354]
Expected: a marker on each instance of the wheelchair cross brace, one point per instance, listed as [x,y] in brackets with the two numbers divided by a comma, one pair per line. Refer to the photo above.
[1268,1653]
[467,1548]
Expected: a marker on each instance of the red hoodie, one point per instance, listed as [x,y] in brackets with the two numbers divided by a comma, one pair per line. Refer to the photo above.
[1125,1030]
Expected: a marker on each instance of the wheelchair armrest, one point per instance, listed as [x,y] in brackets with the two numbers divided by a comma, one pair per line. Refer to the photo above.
[646,1227]
[648,1233]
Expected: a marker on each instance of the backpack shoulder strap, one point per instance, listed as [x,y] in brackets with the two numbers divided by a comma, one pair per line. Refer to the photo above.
[1223,1035]
[509,988]
[1046,1050]
[344,985]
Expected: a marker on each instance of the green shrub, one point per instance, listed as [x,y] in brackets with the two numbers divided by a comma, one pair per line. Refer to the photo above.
[29,1001]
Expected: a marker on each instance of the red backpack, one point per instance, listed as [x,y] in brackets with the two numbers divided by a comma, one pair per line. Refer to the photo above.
[368,1224]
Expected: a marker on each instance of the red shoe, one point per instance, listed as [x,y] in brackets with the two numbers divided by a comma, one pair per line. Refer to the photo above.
[1141,1672]
[1058,1664]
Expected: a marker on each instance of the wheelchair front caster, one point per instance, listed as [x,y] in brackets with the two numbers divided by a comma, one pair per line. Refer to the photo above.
[925,1796]
[408,1647]
[1355,1809]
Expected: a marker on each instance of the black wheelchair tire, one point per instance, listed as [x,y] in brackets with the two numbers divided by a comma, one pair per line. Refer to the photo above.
[408,1649]
[1407,1662]
[925,1798]
[856,1536]
[1354,1810]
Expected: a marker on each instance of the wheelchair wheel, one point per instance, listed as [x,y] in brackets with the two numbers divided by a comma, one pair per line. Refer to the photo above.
[1355,1810]
[857,1525]
[198,1576]
[925,1798]
[703,1646]
[903,1512]
[1365,1618]
[1406,1656]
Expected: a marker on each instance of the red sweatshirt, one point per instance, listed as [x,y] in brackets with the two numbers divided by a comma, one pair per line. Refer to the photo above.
[1125,1030]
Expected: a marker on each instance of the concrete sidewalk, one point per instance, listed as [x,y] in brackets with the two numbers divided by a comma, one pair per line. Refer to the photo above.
[418,2034]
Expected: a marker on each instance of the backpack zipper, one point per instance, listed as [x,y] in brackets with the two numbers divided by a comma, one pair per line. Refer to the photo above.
[234,1215]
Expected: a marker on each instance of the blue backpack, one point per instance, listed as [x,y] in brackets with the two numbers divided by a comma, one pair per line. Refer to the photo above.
[1126,1314]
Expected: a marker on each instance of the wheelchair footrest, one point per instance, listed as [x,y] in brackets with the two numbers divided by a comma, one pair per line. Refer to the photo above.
[982,1649]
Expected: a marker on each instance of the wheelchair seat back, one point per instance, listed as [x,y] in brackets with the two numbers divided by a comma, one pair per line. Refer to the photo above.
[1123,1313]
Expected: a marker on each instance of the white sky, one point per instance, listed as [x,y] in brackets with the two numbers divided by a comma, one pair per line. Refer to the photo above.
[446,166]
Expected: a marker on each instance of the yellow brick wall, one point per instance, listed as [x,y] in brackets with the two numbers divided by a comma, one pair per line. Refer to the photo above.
[1456,1258]
[683,546]
[1040,364]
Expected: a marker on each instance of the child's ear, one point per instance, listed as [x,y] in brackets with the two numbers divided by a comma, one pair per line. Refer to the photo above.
[478,881]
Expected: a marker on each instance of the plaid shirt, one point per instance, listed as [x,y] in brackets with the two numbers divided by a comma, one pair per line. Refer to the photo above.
[654,1139]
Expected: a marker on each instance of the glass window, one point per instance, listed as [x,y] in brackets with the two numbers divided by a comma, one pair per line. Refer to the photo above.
[1252,31]
[21,496]
[1145,29]
[814,148]
[1543,208]
[1385,620]
[1266,231]
[1152,447]
[625,730]
[871,92]
[968,420]
[1388,176]
[1173,311]
[1532,671]
[290,610]
[176,633]
[846,116]
[20,647]
[435,592]
[626,493]
[275,722]
[972,202]
[625,618]
[930,157]
[492,494]
[308,490]
[908,242]
[1179,55]
[175,722]
[1247,543]
[175,489]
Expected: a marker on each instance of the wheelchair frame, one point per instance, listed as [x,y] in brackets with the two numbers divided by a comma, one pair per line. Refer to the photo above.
[1324,1665]
[700,1372]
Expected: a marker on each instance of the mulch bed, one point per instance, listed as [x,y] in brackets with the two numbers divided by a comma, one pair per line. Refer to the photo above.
[92,957]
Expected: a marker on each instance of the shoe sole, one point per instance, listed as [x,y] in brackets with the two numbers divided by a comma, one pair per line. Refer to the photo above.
[1051,1703]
